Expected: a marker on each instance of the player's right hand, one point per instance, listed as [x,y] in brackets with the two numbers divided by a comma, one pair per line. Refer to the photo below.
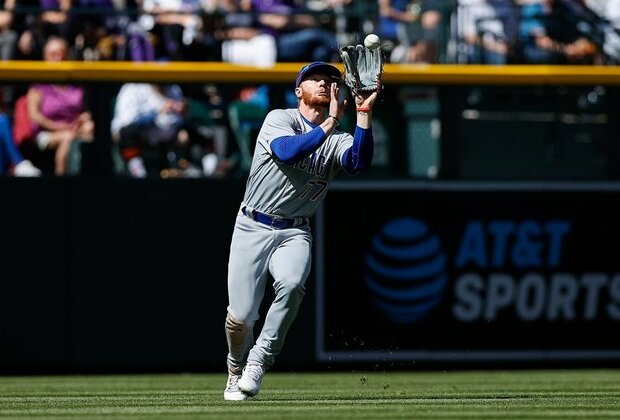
[337,105]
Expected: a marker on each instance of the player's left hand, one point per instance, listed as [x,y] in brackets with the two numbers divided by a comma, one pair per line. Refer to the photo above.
[367,99]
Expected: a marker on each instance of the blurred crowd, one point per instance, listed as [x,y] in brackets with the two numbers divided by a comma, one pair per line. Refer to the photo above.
[166,131]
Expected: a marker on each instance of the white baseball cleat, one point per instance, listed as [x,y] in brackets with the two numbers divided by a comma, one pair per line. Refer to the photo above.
[251,379]
[232,391]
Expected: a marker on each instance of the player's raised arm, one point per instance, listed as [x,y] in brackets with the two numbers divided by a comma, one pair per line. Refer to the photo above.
[363,69]
[365,89]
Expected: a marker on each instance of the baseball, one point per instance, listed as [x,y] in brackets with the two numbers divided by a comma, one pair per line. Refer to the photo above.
[372,41]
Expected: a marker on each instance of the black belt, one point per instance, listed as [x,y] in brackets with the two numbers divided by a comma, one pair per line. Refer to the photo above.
[275,222]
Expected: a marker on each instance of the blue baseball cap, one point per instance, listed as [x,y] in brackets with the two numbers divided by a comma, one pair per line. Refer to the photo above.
[318,67]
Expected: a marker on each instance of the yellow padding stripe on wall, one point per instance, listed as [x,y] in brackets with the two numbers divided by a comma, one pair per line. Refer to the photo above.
[181,72]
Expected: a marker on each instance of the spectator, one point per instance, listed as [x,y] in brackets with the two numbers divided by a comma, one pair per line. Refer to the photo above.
[138,41]
[394,15]
[52,20]
[58,112]
[548,35]
[175,23]
[9,29]
[10,156]
[7,35]
[347,17]
[412,28]
[111,37]
[149,118]
[243,41]
[487,30]
[208,131]
[299,35]
[97,33]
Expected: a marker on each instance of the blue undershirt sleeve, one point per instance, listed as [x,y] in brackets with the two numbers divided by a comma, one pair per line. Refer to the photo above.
[290,149]
[358,157]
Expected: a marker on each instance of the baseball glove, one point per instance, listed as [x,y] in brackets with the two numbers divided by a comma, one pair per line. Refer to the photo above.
[363,67]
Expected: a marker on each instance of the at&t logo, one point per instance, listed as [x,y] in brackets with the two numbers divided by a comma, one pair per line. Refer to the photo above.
[406,270]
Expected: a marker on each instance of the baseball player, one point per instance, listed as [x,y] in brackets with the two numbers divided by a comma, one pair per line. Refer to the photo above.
[298,151]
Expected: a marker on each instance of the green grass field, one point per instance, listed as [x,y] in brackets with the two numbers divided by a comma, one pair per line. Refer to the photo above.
[584,394]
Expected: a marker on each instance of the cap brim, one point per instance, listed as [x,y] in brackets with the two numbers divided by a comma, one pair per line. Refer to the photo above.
[326,69]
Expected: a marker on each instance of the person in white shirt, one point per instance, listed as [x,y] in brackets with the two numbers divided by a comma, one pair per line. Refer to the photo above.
[146,117]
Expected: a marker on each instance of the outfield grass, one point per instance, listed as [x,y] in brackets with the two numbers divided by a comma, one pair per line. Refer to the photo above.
[584,394]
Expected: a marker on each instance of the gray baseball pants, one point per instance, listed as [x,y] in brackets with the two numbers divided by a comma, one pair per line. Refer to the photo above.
[257,250]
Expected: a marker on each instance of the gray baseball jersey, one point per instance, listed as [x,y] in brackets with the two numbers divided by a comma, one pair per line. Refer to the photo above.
[297,190]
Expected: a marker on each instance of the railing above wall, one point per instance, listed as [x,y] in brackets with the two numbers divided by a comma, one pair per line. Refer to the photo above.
[192,72]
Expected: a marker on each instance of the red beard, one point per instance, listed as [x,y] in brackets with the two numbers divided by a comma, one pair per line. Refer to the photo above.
[314,101]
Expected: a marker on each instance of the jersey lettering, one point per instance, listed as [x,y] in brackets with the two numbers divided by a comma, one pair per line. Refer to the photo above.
[321,167]
[312,164]
[302,164]
[315,164]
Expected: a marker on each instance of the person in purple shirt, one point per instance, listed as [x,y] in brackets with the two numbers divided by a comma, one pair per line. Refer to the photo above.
[58,113]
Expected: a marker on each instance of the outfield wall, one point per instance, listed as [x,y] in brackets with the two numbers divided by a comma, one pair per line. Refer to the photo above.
[115,275]
[103,273]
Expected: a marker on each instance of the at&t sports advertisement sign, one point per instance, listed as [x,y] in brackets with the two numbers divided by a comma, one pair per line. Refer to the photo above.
[477,272]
